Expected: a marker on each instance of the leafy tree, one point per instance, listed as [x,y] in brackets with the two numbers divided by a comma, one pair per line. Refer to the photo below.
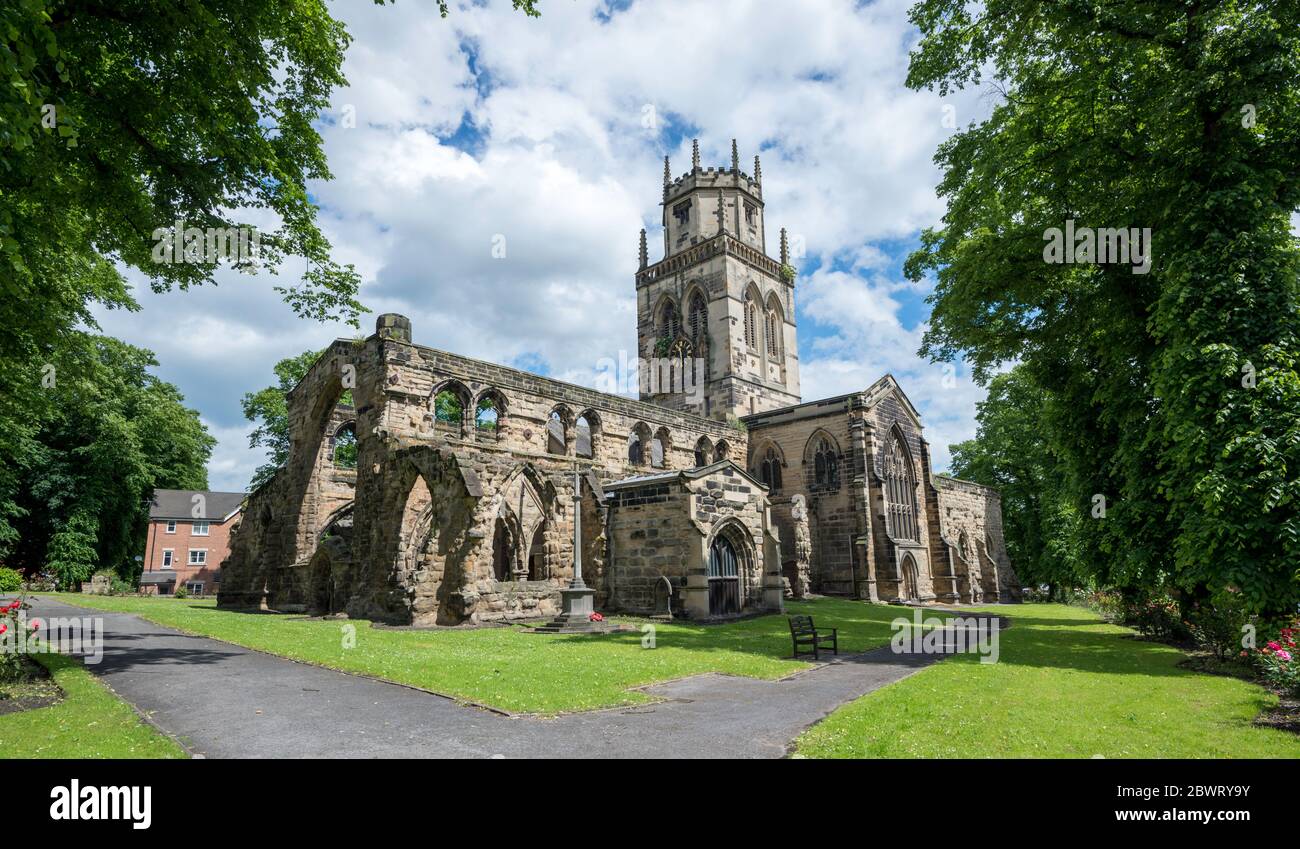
[267,408]
[111,434]
[1174,395]
[1010,452]
[119,118]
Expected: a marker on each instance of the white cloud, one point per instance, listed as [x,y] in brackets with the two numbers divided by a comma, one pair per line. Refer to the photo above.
[554,157]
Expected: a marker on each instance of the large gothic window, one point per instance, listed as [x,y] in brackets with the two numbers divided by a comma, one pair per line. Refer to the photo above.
[826,465]
[900,490]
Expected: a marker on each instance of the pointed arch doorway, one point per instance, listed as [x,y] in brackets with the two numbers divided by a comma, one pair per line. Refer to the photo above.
[724,578]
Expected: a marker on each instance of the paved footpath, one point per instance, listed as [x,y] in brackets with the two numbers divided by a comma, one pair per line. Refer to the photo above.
[225,701]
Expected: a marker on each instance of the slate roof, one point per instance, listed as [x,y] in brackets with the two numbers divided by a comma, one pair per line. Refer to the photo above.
[179,504]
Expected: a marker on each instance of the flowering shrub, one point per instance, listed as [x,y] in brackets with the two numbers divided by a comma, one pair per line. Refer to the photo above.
[1157,617]
[11,620]
[596,617]
[1278,660]
[1108,604]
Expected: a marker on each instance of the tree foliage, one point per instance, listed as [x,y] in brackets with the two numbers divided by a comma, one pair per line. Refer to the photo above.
[110,434]
[1173,394]
[268,409]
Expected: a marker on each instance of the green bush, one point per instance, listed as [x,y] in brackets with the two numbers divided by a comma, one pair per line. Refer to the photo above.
[181,592]
[1107,604]
[1216,625]
[11,580]
[121,587]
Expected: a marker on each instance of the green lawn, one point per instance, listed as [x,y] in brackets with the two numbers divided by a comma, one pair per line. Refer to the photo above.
[90,722]
[514,670]
[1067,685]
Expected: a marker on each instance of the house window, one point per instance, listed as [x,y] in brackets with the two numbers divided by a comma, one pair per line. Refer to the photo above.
[200,529]
[171,526]
[194,587]
[168,557]
[198,556]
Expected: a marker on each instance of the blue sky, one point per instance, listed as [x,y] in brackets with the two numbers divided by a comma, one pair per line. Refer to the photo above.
[551,134]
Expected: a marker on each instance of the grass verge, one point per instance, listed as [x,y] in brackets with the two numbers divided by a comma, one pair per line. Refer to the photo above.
[1066,685]
[90,722]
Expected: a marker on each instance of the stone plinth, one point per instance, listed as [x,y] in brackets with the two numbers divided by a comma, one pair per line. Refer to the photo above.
[576,606]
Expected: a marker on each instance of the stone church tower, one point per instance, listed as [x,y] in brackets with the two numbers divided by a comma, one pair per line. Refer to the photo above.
[715,316]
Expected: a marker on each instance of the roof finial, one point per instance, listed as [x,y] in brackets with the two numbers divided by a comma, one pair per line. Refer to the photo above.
[667,178]
[695,154]
[758,170]
[645,254]
[785,248]
[735,158]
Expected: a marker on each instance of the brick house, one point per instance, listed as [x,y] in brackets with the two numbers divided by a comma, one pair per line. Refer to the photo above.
[188,537]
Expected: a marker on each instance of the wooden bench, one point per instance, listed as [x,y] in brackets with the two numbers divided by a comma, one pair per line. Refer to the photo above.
[804,633]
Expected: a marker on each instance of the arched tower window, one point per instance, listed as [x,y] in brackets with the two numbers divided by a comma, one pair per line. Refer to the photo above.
[699,317]
[345,446]
[585,435]
[751,321]
[773,329]
[555,435]
[900,490]
[487,415]
[670,320]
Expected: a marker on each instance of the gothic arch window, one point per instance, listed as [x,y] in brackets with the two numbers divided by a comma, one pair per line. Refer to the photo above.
[963,546]
[751,321]
[774,329]
[670,320]
[769,468]
[556,437]
[825,458]
[449,405]
[487,415]
[699,317]
[703,452]
[585,430]
[344,453]
[900,489]
[638,444]
[659,447]
[721,451]
[680,360]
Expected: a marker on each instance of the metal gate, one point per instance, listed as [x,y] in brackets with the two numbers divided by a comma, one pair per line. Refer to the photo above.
[724,579]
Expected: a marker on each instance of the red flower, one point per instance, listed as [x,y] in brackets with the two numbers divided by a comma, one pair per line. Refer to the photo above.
[596,617]
[3,627]
[35,623]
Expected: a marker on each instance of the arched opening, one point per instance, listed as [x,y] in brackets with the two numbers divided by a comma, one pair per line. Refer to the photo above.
[900,490]
[488,415]
[503,550]
[910,579]
[537,570]
[449,409]
[769,468]
[774,328]
[723,577]
[638,445]
[345,446]
[721,451]
[556,437]
[703,452]
[659,447]
[585,435]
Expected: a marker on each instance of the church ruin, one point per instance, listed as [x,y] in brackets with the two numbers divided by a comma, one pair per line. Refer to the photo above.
[428,488]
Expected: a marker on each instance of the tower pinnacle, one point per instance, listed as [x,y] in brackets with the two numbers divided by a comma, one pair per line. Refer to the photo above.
[644,253]
[785,248]
[758,170]
[695,154]
[735,158]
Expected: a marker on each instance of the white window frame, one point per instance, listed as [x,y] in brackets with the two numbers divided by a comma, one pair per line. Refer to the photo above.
[190,585]
[199,529]
[193,551]
[171,526]
[169,558]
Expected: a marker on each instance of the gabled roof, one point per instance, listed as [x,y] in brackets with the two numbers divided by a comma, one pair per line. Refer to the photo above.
[685,475]
[874,393]
[179,504]
[868,397]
